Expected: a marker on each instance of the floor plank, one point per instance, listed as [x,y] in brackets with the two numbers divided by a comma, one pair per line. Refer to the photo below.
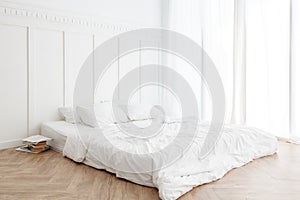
[51,176]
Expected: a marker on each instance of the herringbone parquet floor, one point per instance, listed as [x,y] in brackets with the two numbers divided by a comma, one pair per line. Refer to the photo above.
[51,176]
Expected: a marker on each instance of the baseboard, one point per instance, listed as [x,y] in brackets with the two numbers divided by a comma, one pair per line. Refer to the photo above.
[10,144]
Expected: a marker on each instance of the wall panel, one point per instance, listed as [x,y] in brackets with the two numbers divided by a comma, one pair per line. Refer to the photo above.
[46,76]
[78,48]
[13,87]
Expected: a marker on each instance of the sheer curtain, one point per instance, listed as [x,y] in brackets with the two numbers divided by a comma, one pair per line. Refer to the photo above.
[273,76]
[267,65]
[295,71]
[254,44]
[210,24]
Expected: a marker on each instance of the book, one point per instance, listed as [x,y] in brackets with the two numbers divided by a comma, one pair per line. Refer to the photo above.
[36,139]
[40,144]
[26,148]
[34,148]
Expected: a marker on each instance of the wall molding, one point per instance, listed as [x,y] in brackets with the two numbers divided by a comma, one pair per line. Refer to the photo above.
[10,144]
[52,16]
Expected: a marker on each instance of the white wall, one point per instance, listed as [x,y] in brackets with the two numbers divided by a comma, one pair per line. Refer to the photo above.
[43,45]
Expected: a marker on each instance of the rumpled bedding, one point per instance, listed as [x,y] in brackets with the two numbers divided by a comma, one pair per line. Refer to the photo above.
[125,155]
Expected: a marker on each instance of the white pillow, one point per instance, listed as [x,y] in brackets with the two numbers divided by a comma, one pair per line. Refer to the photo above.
[102,115]
[68,114]
[142,111]
[108,114]
[86,117]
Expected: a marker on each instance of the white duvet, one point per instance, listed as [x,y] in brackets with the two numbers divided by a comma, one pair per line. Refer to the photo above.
[123,154]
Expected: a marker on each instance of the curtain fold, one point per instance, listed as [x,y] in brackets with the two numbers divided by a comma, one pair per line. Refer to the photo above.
[239,64]
[210,24]
[295,71]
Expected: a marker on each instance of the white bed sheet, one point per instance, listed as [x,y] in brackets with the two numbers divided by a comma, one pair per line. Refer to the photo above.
[58,131]
[237,146]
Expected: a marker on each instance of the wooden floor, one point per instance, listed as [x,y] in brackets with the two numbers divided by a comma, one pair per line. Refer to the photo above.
[51,176]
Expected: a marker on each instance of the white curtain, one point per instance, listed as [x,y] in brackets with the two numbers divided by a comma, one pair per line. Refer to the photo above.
[210,24]
[295,71]
[254,44]
[267,63]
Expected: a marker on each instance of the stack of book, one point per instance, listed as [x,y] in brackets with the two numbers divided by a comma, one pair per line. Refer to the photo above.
[36,147]
[34,144]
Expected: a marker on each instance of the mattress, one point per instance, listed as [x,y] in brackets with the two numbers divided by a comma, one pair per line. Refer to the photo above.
[58,131]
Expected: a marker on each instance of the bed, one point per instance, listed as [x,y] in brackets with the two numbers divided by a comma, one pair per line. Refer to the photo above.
[58,131]
[237,146]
